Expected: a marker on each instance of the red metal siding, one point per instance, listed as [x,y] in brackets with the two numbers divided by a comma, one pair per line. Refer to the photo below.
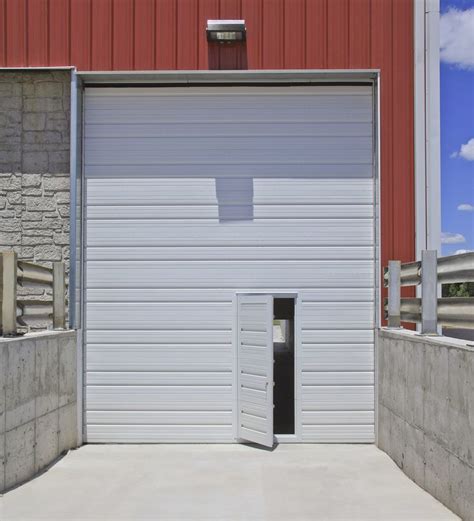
[295,34]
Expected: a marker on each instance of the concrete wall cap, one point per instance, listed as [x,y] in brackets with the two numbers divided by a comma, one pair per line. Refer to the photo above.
[435,341]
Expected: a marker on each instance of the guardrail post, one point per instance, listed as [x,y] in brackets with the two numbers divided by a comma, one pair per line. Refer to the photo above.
[394,268]
[429,292]
[9,279]
[59,296]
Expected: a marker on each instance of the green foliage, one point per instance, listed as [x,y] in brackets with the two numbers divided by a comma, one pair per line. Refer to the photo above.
[458,289]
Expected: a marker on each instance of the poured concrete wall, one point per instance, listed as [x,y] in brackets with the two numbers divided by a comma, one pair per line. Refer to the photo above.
[38,411]
[426,413]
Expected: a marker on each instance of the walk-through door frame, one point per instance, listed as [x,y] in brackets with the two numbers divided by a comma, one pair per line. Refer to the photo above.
[277,438]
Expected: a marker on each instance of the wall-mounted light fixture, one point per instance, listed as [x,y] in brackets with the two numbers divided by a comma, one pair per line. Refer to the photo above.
[225,31]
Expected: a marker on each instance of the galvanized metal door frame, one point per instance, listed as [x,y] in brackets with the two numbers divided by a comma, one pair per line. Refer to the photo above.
[234,79]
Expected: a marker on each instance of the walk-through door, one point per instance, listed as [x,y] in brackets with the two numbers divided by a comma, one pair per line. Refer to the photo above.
[255,368]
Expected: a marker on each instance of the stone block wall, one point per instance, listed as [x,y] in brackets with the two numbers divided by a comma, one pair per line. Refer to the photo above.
[425,415]
[34,168]
[38,403]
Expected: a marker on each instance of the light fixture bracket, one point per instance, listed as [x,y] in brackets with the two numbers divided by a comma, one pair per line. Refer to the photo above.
[226,31]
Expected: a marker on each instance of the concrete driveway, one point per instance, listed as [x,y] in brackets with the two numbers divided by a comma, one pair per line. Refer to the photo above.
[222,482]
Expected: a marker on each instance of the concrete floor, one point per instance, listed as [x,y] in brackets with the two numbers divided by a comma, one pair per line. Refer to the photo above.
[222,482]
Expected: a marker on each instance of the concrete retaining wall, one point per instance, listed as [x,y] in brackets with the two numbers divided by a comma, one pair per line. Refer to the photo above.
[426,413]
[38,411]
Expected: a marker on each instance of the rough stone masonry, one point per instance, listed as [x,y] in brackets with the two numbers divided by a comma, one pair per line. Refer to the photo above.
[34,168]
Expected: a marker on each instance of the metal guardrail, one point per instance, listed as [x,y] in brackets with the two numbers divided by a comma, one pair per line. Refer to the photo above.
[429,310]
[26,274]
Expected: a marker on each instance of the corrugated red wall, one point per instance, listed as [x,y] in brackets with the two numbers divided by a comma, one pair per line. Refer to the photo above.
[294,34]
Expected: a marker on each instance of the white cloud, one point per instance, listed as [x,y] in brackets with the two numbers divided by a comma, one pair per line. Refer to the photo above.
[453,155]
[466,208]
[459,252]
[467,150]
[452,238]
[457,38]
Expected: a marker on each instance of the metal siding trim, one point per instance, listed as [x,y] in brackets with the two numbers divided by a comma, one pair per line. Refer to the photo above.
[191,77]
[419,122]
[432,97]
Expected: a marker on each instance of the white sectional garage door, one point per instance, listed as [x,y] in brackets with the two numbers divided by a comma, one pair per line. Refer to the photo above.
[195,194]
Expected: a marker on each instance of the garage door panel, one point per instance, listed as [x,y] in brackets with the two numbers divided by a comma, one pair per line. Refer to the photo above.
[220,295]
[153,315]
[225,169]
[230,253]
[155,336]
[322,377]
[338,433]
[288,274]
[245,150]
[160,417]
[183,211]
[342,357]
[168,377]
[232,211]
[337,418]
[337,397]
[234,129]
[165,398]
[337,336]
[160,357]
[337,315]
[138,191]
[159,433]
[176,105]
[320,232]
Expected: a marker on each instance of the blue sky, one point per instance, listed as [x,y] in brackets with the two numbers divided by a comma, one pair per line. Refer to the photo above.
[457,125]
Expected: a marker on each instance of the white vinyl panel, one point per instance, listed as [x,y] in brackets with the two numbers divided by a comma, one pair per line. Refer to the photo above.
[259,106]
[142,232]
[171,358]
[337,378]
[232,211]
[337,336]
[338,433]
[337,417]
[220,295]
[195,315]
[159,433]
[337,398]
[138,191]
[165,398]
[213,253]
[201,377]
[271,150]
[337,315]
[334,357]
[269,274]
[159,295]
[236,129]
[159,417]
[137,336]
[338,295]
[229,90]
